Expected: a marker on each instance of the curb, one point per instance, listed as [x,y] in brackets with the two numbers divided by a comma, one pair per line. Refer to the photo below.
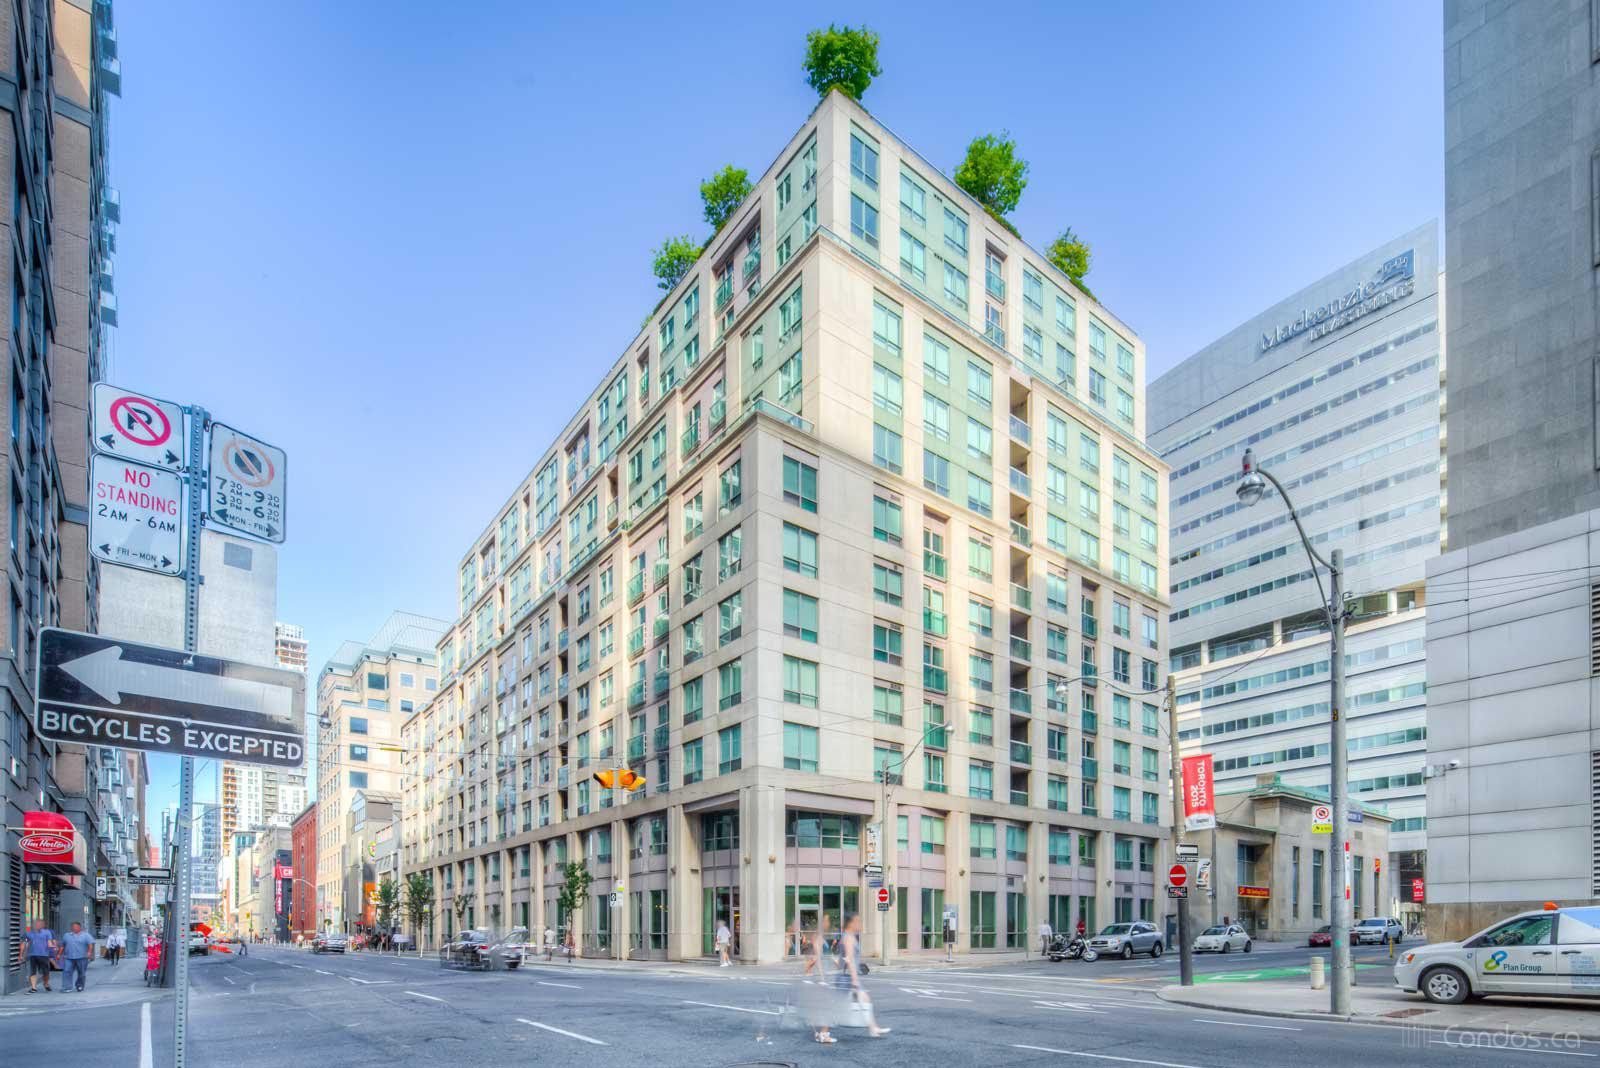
[1355,1018]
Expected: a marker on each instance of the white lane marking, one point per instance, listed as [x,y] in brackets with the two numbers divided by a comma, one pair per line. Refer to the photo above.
[319,971]
[559,1031]
[1070,1006]
[229,981]
[733,1008]
[569,986]
[368,982]
[1102,1056]
[146,1057]
[430,997]
[1562,1052]
[770,982]
[1236,1023]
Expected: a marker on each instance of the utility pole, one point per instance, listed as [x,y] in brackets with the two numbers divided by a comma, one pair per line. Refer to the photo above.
[1185,940]
[1338,791]
[183,875]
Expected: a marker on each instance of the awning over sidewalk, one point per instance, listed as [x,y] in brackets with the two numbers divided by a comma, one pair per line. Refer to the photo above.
[52,844]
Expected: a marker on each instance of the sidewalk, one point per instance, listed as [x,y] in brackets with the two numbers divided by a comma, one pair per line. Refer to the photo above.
[105,985]
[1379,1004]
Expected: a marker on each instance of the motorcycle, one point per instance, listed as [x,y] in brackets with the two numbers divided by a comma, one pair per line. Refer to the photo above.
[1076,949]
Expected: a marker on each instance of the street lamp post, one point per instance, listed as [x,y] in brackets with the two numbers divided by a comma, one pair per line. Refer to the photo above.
[1252,487]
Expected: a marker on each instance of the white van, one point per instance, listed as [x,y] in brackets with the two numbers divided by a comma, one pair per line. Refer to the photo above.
[1554,952]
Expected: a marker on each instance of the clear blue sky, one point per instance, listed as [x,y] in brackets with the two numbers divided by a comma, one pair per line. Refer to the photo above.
[401,240]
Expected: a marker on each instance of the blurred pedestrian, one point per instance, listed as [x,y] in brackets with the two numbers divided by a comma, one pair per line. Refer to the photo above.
[850,950]
[818,950]
[73,953]
[724,941]
[1045,935]
[818,1001]
[37,946]
[116,942]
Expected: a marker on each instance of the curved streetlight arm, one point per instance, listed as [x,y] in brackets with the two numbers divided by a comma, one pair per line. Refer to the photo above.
[1316,557]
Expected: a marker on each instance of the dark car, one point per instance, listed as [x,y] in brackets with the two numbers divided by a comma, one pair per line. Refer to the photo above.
[330,942]
[1322,936]
[477,949]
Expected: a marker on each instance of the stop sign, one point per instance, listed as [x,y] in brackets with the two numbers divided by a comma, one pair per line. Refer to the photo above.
[883,895]
[1178,875]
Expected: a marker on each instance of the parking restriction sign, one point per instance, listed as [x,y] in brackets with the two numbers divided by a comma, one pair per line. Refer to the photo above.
[247,484]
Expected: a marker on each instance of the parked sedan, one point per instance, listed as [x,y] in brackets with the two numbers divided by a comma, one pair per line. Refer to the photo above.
[1126,939]
[1322,936]
[1378,929]
[1223,939]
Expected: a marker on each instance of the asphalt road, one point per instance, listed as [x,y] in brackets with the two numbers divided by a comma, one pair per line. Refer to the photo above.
[282,1007]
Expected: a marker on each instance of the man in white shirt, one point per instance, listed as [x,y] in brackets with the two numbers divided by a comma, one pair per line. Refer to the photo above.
[1045,936]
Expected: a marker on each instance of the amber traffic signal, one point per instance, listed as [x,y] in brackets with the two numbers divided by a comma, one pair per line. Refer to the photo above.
[624,778]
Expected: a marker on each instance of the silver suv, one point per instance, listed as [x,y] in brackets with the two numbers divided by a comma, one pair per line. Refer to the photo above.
[1126,939]
[1377,929]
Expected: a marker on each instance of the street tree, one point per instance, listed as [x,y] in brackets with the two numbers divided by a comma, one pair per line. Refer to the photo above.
[673,260]
[722,194]
[993,174]
[841,58]
[418,904]
[574,892]
[388,902]
[1072,255]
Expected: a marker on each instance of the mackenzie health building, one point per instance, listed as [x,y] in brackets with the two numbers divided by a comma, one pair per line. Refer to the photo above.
[1339,389]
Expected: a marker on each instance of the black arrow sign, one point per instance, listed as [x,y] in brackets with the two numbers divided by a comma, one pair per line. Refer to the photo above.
[110,442]
[172,457]
[106,548]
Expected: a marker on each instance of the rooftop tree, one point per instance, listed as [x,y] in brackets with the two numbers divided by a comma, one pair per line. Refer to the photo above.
[841,58]
[722,194]
[993,174]
[1072,255]
[673,260]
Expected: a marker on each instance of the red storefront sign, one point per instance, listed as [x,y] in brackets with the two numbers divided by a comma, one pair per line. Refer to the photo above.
[1199,802]
[1417,890]
[50,841]
[1254,891]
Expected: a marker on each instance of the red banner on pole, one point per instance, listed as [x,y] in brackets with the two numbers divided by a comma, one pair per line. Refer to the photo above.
[1199,802]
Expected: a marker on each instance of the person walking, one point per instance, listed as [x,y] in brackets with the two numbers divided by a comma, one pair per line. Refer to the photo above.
[818,1000]
[850,950]
[549,942]
[37,947]
[724,941]
[1045,935]
[116,942]
[73,953]
[818,949]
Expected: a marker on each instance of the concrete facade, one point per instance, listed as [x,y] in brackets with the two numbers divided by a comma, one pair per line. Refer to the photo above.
[364,693]
[1522,243]
[1511,744]
[876,515]
[1340,391]
[1273,875]
[1513,725]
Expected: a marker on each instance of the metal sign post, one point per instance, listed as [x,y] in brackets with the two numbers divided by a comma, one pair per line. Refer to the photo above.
[194,477]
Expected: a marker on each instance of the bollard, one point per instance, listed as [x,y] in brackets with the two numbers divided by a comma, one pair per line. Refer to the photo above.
[1317,979]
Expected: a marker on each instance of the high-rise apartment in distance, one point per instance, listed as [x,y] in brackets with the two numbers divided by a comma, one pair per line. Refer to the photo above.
[365,692]
[60,59]
[1513,643]
[1339,390]
[865,504]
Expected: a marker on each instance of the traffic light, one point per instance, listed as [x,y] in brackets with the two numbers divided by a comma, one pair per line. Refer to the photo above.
[621,778]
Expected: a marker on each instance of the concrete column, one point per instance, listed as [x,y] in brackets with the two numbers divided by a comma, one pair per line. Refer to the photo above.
[1105,874]
[1038,880]
[761,877]
[958,880]
[621,919]
[683,886]
[536,913]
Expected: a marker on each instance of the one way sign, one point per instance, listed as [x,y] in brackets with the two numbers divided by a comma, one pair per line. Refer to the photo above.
[99,691]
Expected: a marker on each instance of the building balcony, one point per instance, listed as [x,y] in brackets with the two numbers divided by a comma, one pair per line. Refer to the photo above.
[935,564]
[635,641]
[937,738]
[563,777]
[766,407]
[661,627]
[1021,484]
[1021,597]
[1020,431]
[690,440]
[718,413]
[636,588]
[935,622]
[636,747]
[1019,797]
[937,679]
[561,640]
[636,694]
[1021,753]
[1091,628]
[661,683]
[663,571]
[1020,533]
[1091,769]
[660,738]
[1021,649]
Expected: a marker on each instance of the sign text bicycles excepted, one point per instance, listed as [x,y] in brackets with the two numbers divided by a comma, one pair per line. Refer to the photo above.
[100,691]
